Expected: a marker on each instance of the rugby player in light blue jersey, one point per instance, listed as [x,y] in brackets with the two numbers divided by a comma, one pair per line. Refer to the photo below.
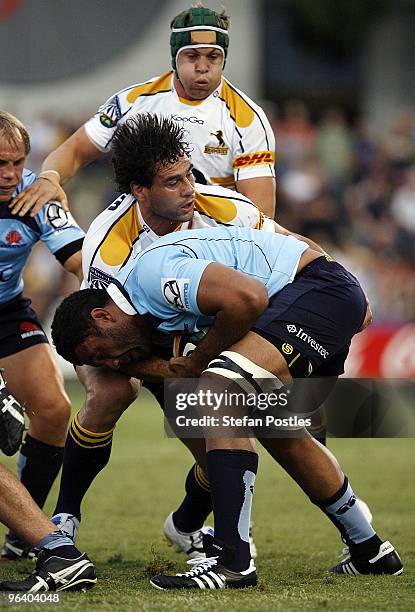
[258,294]
[30,370]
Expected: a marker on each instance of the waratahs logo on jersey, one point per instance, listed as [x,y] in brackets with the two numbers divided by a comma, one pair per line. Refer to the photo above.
[110,113]
[13,238]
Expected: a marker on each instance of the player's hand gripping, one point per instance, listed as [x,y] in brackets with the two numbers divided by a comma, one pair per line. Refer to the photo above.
[184,367]
[45,188]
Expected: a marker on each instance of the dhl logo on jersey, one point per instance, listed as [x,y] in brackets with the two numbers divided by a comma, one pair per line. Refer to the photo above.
[254,159]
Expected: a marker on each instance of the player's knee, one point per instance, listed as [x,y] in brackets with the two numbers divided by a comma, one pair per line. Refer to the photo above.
[115,395]
[105,403]
[285,448]
[52,414]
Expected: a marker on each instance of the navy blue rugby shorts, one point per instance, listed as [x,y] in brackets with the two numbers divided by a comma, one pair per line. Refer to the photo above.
[19,327]
[317,315]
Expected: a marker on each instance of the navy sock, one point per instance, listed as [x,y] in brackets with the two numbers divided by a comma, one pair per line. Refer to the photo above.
[38,465]
[197,505]
[345,513]
[86,454]
[232,476]
[58,544]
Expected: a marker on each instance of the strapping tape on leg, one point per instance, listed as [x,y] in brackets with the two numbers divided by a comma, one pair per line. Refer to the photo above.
[244,372]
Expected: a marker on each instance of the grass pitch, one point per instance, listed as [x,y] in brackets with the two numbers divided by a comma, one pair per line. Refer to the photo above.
[126,507]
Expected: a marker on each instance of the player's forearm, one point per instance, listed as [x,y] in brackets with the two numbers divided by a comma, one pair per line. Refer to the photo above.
[74,265]
[62,161]
[70,156]
[153,369]
[262,191]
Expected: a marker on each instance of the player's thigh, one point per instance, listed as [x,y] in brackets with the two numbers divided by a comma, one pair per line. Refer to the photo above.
[34,378]
[264,354]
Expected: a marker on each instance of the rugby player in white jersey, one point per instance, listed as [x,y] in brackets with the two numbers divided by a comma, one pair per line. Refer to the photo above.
[232,141]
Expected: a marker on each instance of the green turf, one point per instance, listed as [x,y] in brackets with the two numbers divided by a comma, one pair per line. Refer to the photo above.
[125,510]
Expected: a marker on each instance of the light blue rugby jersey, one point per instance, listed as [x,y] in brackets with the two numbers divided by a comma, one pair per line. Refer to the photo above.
[56,228]
[163,280]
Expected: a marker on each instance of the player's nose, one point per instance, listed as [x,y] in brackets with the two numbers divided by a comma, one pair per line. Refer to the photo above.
[202,64]
[189,187]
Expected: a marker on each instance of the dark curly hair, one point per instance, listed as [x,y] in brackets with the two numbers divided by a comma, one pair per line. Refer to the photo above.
[143,143]
[72,322]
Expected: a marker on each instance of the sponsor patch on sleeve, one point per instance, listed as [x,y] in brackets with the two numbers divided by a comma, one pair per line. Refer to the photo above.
[176,292]
[57,216]
[254,159]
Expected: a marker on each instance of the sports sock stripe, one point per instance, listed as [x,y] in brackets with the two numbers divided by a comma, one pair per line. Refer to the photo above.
[201,477]
[93,434]
[88,439]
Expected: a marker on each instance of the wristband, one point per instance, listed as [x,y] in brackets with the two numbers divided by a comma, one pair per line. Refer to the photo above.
[55,178]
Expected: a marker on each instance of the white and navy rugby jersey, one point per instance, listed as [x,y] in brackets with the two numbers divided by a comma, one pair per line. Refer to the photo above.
[230,135]
[119,233]
[164,279]
[52,225]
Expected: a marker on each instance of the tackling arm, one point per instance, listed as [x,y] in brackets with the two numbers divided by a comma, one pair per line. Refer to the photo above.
[261,190]
[74,265]
[58,167]
[237,301]
[152,369]
[313,245]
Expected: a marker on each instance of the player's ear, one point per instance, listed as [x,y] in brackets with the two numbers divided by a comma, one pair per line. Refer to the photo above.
[101,315]
[137,191]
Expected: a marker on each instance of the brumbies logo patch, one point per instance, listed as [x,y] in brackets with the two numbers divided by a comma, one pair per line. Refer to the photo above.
[110,113]
[217,146]
[254,159]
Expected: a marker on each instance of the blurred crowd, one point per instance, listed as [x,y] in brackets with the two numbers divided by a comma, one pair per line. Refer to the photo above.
[347,186]
[353,190]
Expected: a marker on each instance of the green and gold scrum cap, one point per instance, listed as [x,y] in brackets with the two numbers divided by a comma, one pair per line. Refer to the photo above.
[198,27]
